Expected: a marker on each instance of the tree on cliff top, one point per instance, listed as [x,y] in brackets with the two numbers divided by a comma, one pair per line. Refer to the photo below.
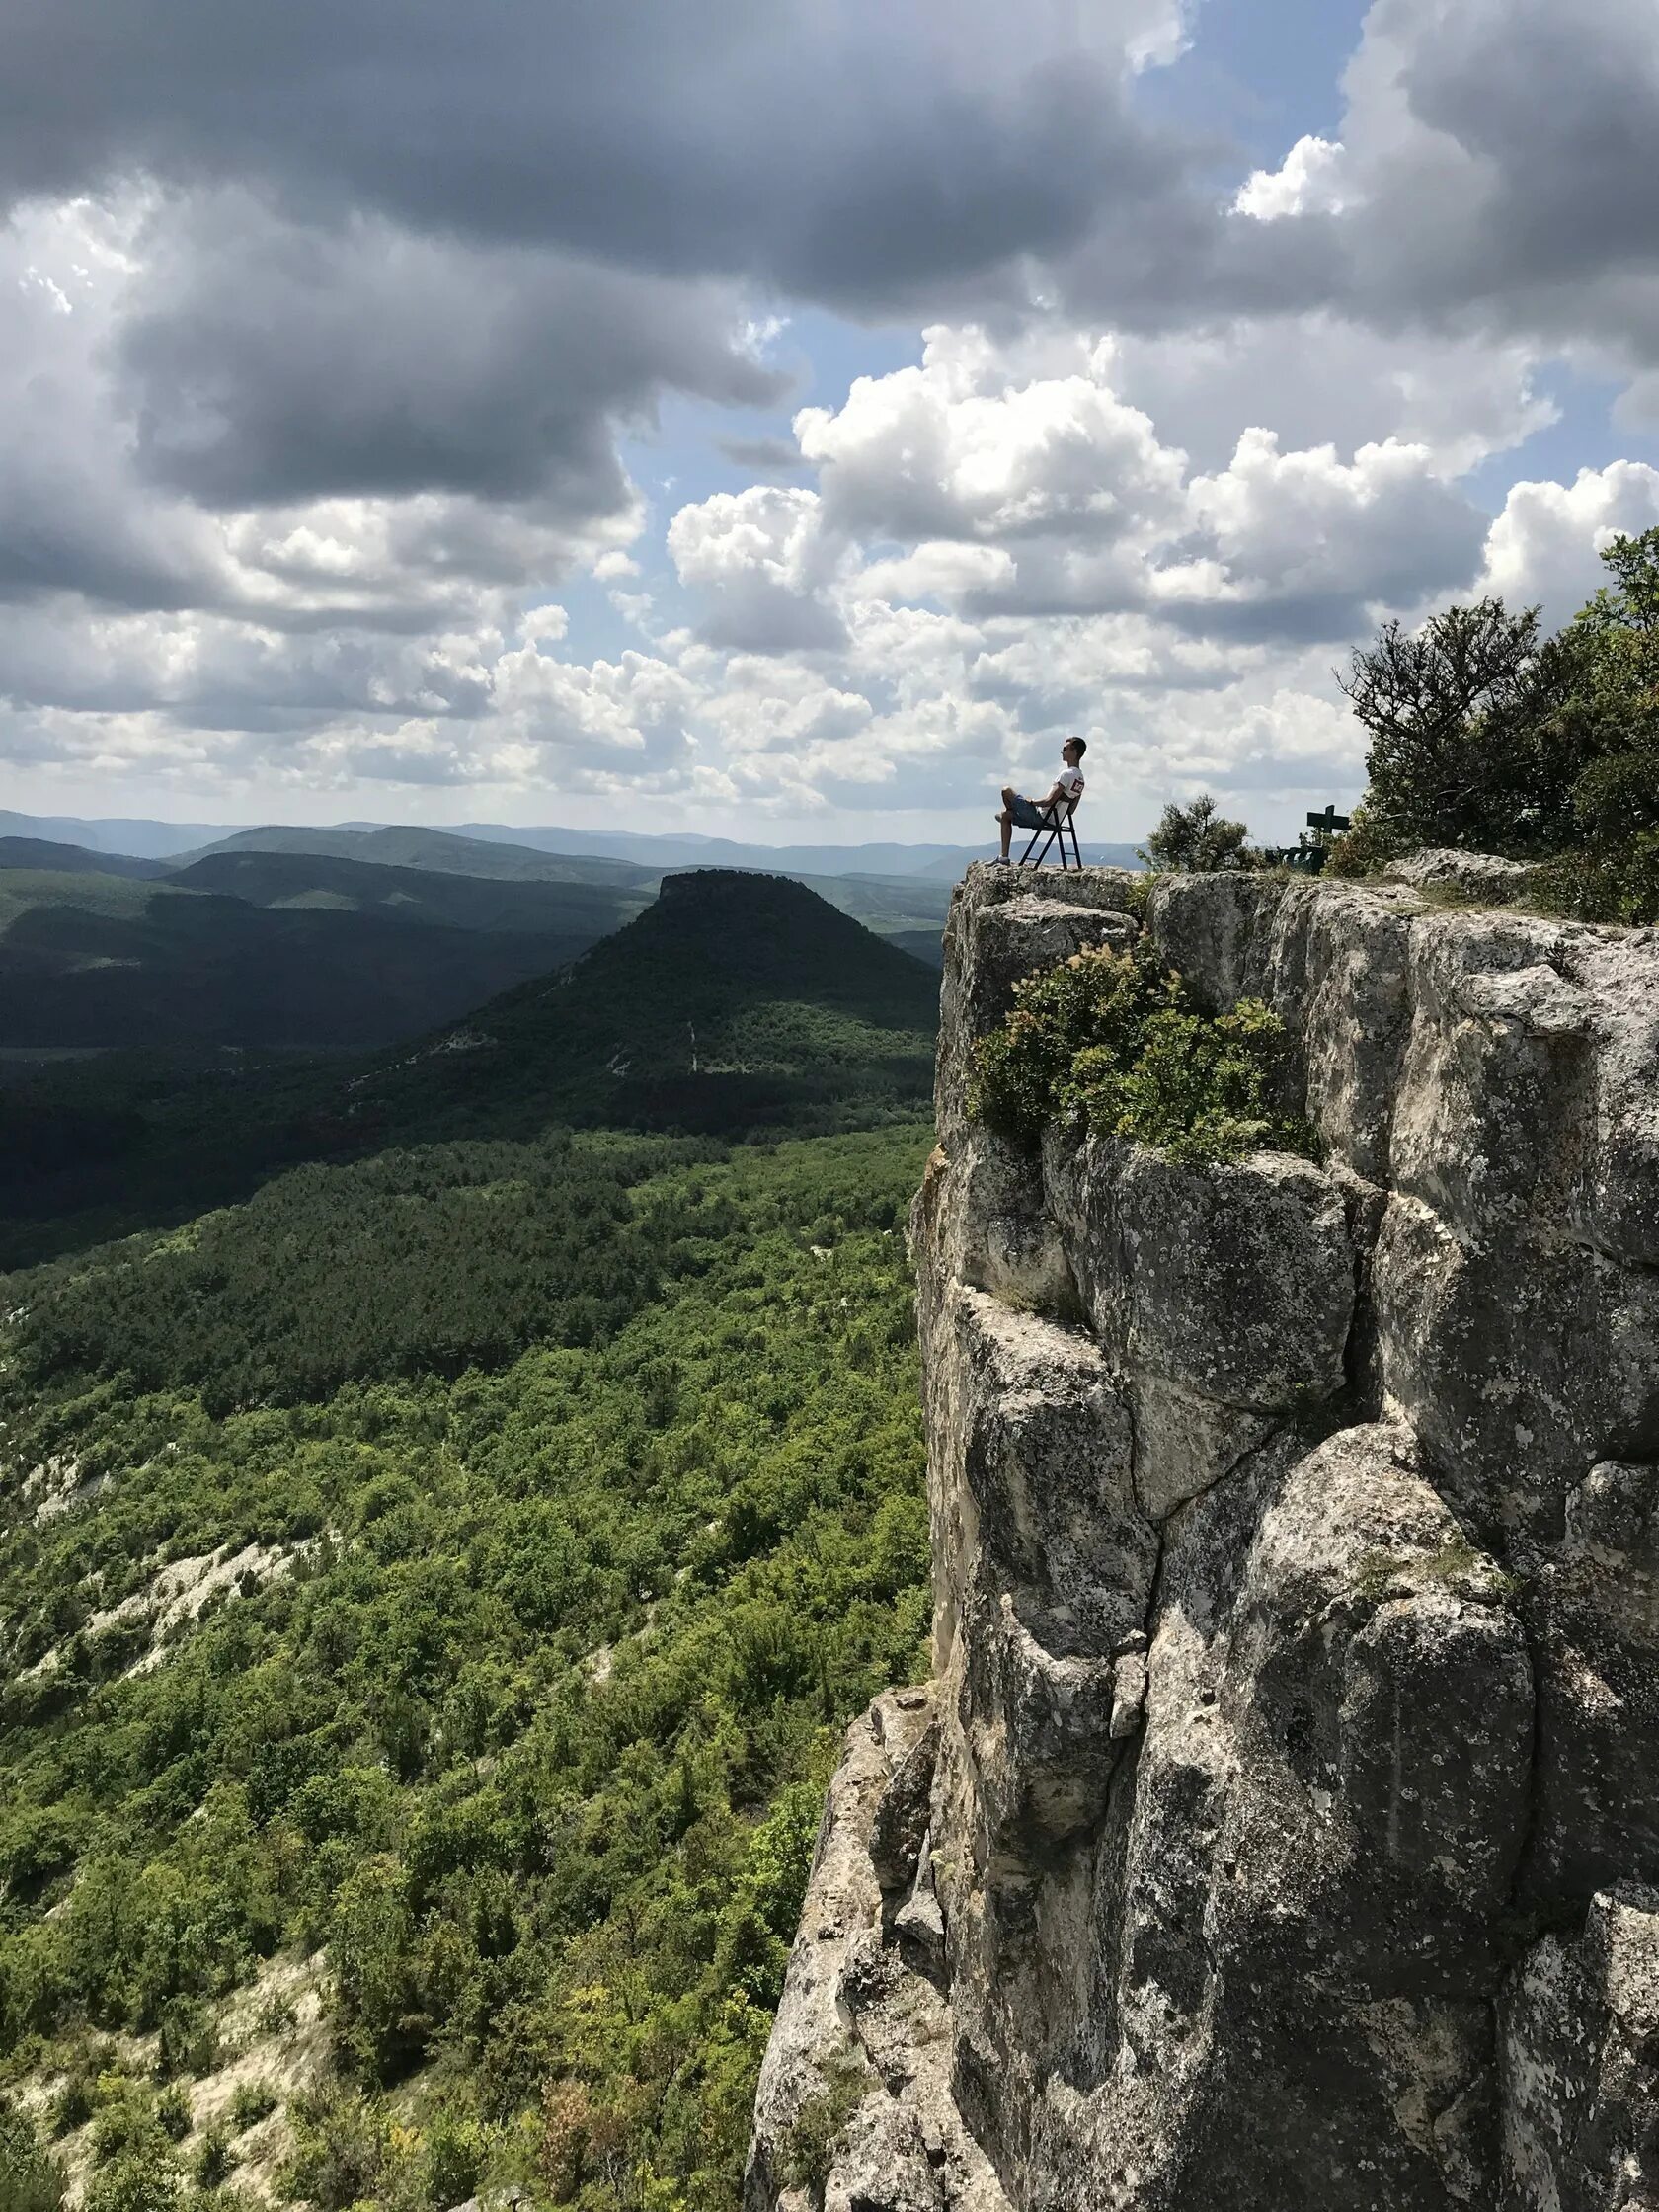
[1199,839]
[1439,703]
[1487,736]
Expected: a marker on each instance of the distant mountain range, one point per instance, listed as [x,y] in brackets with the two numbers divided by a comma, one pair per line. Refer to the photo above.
[163,841]
[79,860]
[915,906]
[347,938]
[324,939]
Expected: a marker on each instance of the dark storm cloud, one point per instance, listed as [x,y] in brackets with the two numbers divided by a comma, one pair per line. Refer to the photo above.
[878,155]
[267,363]
[859,152]
[1498,177]
[1561,103]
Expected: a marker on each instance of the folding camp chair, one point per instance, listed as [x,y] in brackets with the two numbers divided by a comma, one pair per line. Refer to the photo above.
[1056,827]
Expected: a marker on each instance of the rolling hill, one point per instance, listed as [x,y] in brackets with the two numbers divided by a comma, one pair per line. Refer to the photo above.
[407,845]
[93,959]
[795,1015]
[37,853]
[574,911]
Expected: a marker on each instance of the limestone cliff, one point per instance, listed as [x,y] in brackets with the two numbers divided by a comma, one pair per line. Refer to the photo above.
[1276,1830]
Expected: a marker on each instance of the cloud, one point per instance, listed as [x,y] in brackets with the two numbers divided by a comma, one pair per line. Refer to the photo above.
[955,450]
[1544,547]
[1305,545]
[1308,181]
[323,332]
[1319,380]
[267,364]
[1035,490]
[759,563]
[1493,175]
[942,145]
[240,417]
[609,725]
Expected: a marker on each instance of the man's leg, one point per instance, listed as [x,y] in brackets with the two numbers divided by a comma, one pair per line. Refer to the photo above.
[1006,818]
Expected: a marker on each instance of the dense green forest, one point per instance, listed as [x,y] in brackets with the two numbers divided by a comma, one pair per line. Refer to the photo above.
[519,1705]
[433,1586]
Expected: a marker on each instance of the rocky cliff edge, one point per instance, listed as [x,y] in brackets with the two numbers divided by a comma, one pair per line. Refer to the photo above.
[1281,1825]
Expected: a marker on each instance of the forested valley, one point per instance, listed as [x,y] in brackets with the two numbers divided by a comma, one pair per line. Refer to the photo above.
[433,1585]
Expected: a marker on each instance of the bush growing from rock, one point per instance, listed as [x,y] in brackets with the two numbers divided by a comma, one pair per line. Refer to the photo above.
[173,2110]
[216,2161]
[1112,1041]
[141,2180]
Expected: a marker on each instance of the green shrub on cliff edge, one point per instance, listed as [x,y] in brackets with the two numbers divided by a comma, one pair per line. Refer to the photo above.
[1112,1041]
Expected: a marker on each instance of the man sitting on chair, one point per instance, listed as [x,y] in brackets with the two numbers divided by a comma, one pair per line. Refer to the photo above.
[1033,814]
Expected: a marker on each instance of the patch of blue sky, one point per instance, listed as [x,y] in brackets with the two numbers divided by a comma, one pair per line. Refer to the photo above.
[1585,435]
[696,450]
[1261,74]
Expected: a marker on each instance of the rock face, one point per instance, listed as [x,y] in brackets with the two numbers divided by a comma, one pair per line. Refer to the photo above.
[1280,1827]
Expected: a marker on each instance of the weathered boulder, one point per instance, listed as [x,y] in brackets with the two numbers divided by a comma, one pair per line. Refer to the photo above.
[1580,2065]
[1284,1829]
[1473,875]
[1223,1297]
[989,1224]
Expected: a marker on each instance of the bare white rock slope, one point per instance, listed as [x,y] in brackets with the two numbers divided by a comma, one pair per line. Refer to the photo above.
[1280,1831]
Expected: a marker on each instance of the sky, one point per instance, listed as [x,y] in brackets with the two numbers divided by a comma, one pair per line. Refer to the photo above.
[791,419]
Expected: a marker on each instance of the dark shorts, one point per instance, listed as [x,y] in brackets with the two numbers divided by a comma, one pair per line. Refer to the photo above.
[1028,814]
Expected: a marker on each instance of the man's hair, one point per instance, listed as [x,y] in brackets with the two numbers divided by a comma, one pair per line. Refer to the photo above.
[1080,744]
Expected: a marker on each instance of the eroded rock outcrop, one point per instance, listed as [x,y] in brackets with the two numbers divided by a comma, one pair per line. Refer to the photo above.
[1280,1827]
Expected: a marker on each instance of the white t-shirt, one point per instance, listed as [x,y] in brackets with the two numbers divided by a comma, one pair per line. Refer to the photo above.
[1071,782]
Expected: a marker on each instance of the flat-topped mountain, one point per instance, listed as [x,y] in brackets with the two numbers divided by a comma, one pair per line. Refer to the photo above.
[734,999]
